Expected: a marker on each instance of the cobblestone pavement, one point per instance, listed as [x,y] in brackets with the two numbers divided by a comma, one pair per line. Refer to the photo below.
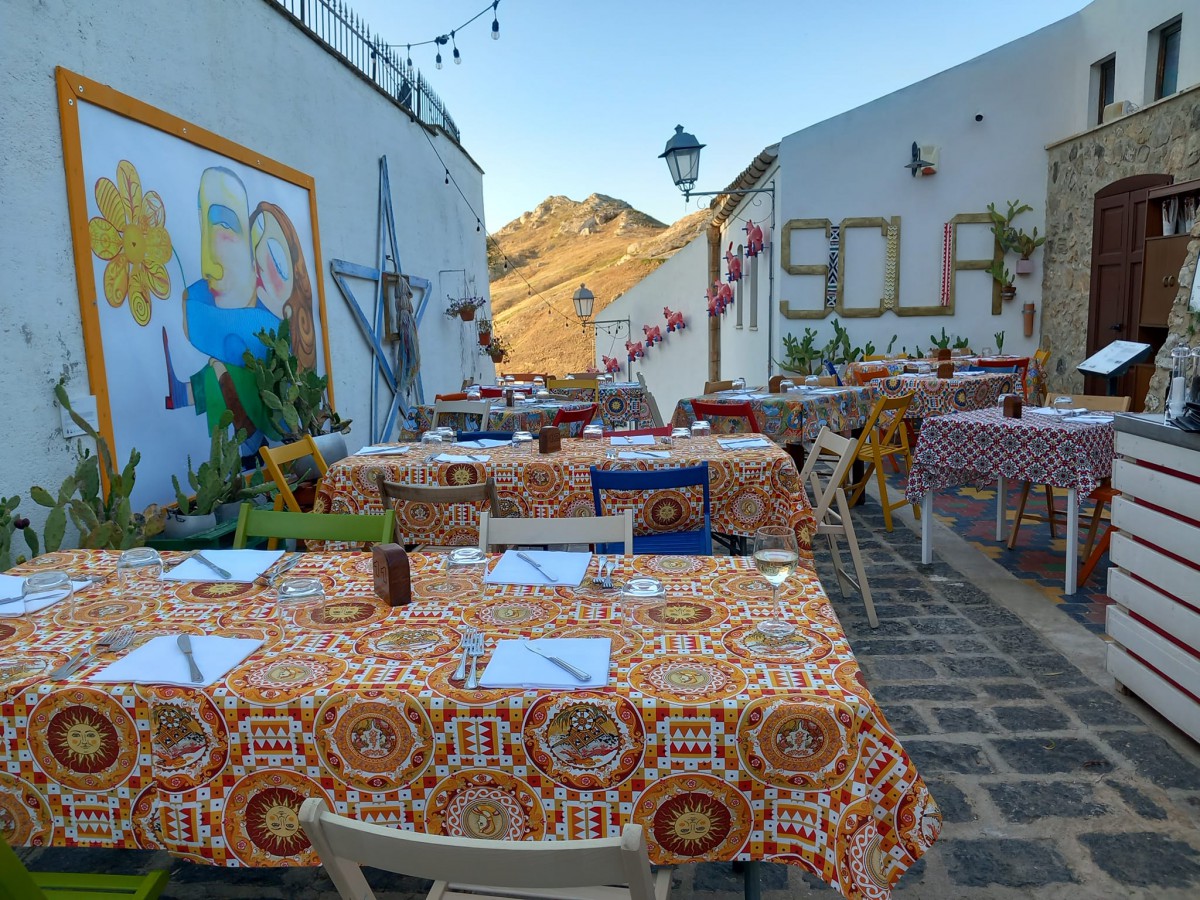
[1052,785]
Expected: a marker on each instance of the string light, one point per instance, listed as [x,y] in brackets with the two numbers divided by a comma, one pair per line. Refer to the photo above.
[495,22]
[409,55]
[457,57]
[449,38]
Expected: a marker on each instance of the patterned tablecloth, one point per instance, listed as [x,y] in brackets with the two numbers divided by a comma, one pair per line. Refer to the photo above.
[1035,377]
[934,396]
[621,402]
[976,447]
[522,417]
[722,744]
[796,416]
[749,488]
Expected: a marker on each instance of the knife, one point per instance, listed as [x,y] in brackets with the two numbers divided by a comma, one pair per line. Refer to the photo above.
[545,574]
[224,573]
[185,644]
[579,674]
[286,563]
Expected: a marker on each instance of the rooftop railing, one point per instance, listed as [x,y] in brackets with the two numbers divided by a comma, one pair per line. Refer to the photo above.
[333,25]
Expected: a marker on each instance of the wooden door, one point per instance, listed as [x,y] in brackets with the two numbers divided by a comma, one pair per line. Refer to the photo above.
[1118,241]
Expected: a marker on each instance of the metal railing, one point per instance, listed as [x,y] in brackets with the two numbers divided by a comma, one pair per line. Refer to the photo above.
[344,34]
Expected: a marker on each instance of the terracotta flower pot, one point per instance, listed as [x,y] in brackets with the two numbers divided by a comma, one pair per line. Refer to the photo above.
[466,313]
[1027,312]
[1024,266]
[1008,292]
[485,338]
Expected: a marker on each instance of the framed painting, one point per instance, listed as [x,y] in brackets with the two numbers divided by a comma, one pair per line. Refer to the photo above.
[187,246]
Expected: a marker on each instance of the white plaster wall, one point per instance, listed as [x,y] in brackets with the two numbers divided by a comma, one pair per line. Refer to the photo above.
[677,367]
[240,69]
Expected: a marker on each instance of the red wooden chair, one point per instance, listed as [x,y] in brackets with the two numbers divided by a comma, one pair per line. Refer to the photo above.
[579,417]
[705,409]
[491,392]
[1020,362]
[457,395]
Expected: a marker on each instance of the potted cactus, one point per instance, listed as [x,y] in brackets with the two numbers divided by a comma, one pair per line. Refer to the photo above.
[1000,273]
[1025,244]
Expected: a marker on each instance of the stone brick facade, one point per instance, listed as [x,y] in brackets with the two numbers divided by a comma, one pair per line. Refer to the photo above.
[1163,138]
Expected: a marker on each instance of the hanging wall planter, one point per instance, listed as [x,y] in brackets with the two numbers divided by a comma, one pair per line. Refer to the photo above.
[485,331]
[464,308]
[1024,266]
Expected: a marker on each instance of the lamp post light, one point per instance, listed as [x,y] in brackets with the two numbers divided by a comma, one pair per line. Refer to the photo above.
[682,154]
[583,300]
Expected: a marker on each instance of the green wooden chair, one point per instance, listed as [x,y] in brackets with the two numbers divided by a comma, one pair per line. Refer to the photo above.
[356,529]
[18,883]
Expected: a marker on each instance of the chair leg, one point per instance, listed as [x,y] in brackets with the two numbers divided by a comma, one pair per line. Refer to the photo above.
[838,568]
[883,495]
[1097,515]
[1096,556]
[860,571]
[1050,511]
[1016,526]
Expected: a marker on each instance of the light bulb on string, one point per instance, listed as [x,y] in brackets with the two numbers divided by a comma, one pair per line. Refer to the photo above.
[495,21]
[447,176]
[439,59]
[454,44]
[409,55]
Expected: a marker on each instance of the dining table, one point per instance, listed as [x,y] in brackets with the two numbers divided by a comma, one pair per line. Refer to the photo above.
[1074,452]
[860,371]
[622,403]
[794,417]
[933,396]
[525,415]
[749,486]
[722,743]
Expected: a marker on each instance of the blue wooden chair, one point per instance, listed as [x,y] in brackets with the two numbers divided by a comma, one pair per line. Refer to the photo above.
[485,436]
[695,543]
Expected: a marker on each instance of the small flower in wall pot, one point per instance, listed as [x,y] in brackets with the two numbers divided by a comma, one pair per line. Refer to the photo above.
[464,307]
[484,324]
[498,349]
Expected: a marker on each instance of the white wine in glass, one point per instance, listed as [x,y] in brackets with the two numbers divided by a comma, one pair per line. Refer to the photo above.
[776,556]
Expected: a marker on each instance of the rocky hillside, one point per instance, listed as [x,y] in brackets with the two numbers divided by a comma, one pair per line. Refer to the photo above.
[600,241]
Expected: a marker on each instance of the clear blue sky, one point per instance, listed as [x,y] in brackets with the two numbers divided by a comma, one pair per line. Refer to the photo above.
[580,97]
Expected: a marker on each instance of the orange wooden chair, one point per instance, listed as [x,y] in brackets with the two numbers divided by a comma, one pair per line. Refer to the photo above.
[881,440]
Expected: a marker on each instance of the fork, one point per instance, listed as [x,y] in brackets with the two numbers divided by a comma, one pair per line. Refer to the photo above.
[475,650]
[468,637]
[607,583]
[114,639]
[598,578]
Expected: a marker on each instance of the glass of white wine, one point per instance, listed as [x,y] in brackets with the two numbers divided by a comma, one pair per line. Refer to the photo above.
[776,555]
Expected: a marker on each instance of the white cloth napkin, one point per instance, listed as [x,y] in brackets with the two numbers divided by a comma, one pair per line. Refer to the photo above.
[242,565]
[160,661]
[1052,411]
[381,450]
[457,458]
[634,440]
[566,568]
[643,454]
[1093,419]
[512,665]
[483,443]
[742,443]
[10,590]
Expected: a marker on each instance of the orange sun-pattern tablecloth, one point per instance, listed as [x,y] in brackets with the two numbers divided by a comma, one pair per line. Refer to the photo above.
[795,417]
[748,488]
[933,396]
[721,743]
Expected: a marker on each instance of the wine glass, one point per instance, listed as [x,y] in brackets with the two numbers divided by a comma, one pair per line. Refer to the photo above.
[776,555]
[138,571]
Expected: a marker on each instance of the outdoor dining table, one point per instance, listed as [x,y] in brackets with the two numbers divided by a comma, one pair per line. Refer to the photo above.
[524,416]
[933,396]
[723,744]
[621,402]
[983,446]
[856,372]
[749,487]
[797,416]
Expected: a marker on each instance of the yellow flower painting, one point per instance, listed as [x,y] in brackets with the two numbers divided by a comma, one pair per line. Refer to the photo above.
[130,233]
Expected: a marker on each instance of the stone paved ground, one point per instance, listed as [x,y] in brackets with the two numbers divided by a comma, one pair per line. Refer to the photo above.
[1052,785]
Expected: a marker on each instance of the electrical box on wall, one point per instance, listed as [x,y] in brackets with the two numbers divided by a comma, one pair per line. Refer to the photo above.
[85,407]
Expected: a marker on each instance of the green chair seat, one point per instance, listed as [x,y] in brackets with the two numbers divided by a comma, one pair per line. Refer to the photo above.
[357,529]
[18,883]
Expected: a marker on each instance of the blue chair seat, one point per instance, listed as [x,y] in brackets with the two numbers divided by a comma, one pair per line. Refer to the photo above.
[696,543]
[485,435]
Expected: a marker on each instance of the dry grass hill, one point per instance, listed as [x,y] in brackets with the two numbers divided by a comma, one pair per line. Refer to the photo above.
[600,241]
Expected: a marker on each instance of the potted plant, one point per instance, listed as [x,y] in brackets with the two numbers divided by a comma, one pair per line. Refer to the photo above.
[498,349]
[800,355]
[464,307]
[484,324]
[1001,273]
[297,397]
[999,336]
[1025,244]
[9,523]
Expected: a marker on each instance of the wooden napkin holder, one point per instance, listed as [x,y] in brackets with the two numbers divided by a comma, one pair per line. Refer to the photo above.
[1012,407]
[393,581]
[945,370]
[944,353]
[773,384]
[549,439]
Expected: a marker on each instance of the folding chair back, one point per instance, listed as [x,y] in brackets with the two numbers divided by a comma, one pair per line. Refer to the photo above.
[545,531]
[457,395]
[712,387]
[579,417]
[344,845]
[710,410]
[491,392]
[424,511]
[575,385]
[355,529]
[1021,363]
[867,374]
[462,410]
[275,458]
[638,488]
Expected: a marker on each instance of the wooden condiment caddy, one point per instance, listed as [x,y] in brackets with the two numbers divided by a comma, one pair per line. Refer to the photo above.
[549,439]
[1012,407]
[393,581]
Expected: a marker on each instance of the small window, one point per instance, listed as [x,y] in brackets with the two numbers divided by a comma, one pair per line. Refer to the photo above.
[1166,81]
[1107,71]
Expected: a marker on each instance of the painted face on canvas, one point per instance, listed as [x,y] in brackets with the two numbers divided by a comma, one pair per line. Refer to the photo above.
[272,262]
[225,255]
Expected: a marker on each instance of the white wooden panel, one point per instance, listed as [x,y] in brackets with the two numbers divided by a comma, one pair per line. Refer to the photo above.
[1150,450]
[1177,619]
[1171,660]
[1156,568]
[1159,488]
[1177,706]
[1159,529]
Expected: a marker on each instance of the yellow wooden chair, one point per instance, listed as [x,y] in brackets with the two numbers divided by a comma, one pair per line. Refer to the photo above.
[577,387]
[883,438]
[275,458]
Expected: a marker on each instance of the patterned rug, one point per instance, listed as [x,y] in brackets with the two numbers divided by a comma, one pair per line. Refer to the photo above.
[1037,558]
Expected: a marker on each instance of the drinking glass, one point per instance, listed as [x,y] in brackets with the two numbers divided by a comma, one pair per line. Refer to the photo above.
[592,432]
[1000,401]
[295,594]
[522,441]
[508,379]
[542,394]
[1062,404]
[639,592]
[776,555]
[474,394]
[812,381]
[138,571]
[680,434]
[786,385]
[739,384]
[45,588]
[987,351]
[468,561]
[539,382]
[701,428]
[448,434]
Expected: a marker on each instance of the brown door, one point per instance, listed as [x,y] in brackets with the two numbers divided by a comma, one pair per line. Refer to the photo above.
[1118,239]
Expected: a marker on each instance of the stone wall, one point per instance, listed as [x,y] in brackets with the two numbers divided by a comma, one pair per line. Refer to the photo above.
[1163,138]
[1182,324]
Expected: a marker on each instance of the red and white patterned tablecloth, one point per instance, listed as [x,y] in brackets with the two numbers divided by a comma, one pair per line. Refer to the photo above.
[976,447]
[721,743]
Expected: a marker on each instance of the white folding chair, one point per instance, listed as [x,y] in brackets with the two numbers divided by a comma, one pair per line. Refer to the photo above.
[568,870]
[573,530]
[481,408]
[827,490]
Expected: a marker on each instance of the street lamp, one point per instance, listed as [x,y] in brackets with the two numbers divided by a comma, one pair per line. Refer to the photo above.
[683,159]
[584,300]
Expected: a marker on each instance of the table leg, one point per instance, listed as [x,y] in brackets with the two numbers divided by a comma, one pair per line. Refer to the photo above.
[1072,565]
[752,887]
[1001,506]
[927,528]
